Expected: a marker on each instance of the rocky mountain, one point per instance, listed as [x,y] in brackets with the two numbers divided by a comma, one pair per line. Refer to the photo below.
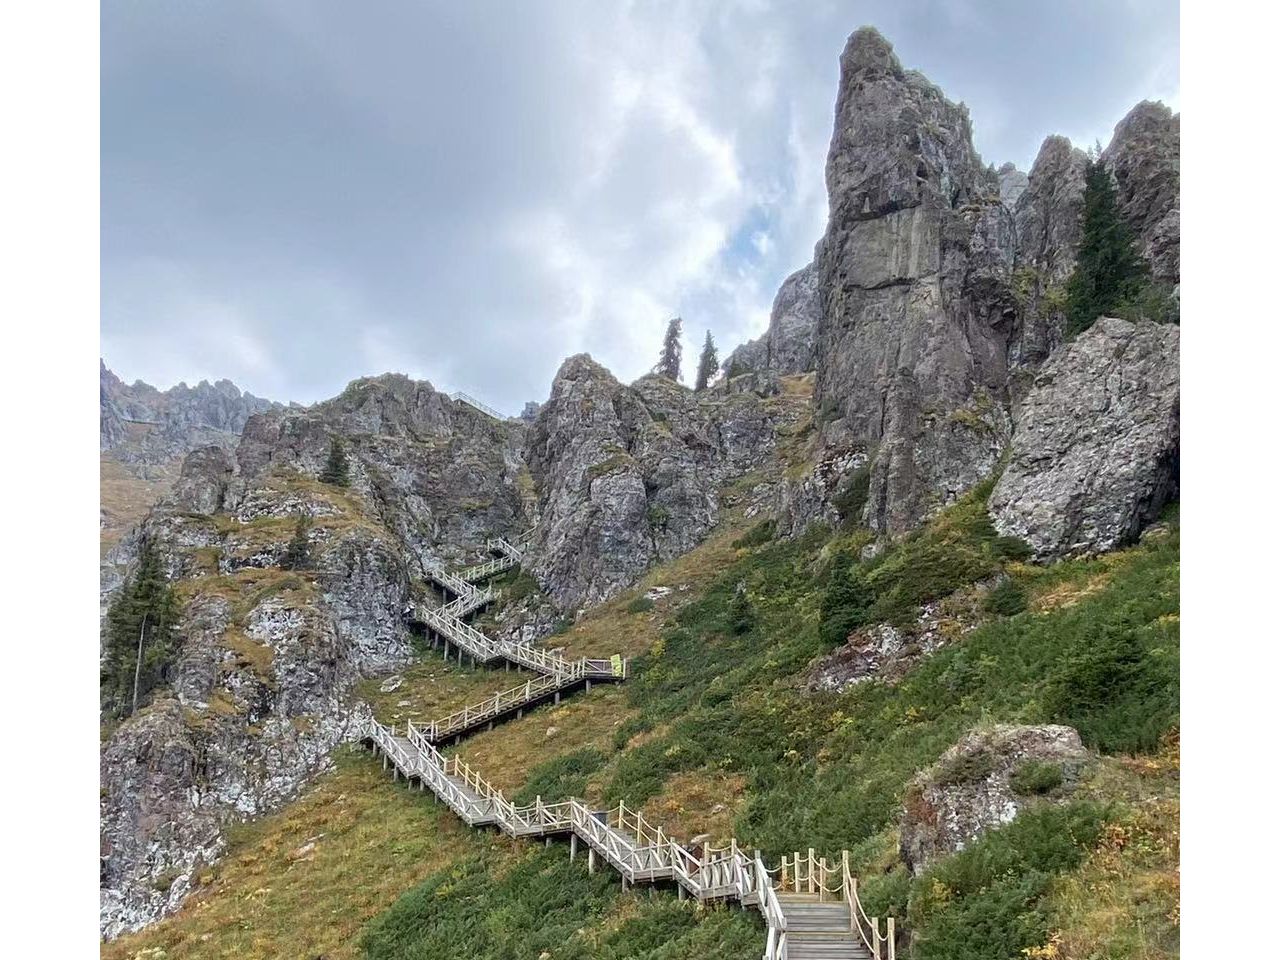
[144,433]
[142,425]
[940,284]
[787,347]
[629,475]
[259,694]
[930,326]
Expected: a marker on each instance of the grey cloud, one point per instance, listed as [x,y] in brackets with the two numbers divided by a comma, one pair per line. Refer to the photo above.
[296,194]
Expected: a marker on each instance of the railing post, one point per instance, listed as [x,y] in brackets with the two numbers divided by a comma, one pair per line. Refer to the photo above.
[795,860]
[890,937]
[811,862]
[875,937]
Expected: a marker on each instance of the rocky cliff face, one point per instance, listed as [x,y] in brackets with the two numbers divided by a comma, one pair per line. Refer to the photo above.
[140,424]
[914,276]
[941,284]
[1095,451]
[628,475]
[787,347]
[1143,158]
[144,433]
[258,695]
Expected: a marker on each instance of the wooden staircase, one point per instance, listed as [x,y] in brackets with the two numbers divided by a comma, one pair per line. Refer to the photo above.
[811,908]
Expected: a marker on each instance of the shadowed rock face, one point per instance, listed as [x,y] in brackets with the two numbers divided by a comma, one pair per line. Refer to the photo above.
[1095,451]
[629,475]
[914,275]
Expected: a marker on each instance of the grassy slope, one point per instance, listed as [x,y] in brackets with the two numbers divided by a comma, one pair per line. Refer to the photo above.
[124,499]
[715,734]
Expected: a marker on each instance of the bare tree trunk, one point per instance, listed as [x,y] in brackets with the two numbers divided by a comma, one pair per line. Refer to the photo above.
[137,667]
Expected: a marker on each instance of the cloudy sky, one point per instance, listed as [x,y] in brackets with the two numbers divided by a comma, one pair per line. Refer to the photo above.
[296,193]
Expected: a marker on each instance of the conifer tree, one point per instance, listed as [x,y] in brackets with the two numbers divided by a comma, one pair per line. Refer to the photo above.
[669,363]
[707,363]
[140,635]
[336,469]
[297,555]
[1109,273]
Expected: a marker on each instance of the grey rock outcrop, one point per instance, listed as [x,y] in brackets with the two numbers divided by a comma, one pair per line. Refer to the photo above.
[202,484]
[1095,448]
[914,273]
[1047,221]
[787,347]
[1143,159]
[1048,212]
[629,475]
[968,791]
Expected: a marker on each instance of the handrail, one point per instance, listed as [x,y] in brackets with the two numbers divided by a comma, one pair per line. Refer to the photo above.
[867,928]
[631,844]
[637,848]
[487,569]
[472,401]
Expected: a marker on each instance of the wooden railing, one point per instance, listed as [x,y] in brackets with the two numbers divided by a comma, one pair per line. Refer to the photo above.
[489,568]
[882,947]
[473,402]
[636,848]
[505,547]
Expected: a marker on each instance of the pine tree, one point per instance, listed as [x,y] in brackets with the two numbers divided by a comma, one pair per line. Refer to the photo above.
[297,555]
[707,363]
[142,617]
[1109,273]
[669,363]
[847,600]
[336,470]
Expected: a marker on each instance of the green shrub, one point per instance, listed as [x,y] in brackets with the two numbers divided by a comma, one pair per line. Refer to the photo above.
[1007,599]
[760,534]
[742,614]
[847,600]
[659,517]
[968,767]
[640,604]
[851,499]
[1033,777]
[982,901]
[562,777]
[1116,687]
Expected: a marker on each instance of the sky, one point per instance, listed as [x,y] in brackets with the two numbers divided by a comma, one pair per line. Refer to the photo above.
[297,193]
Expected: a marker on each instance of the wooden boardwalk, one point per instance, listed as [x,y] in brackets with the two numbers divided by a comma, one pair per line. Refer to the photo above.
[810,907]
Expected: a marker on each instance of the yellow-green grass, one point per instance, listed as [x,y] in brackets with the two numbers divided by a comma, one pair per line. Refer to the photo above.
[1123,901]
[269,897]
[125,498]
[433,688]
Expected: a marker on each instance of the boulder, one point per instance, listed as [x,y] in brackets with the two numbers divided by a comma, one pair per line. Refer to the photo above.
[983,782]
[1095,447]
